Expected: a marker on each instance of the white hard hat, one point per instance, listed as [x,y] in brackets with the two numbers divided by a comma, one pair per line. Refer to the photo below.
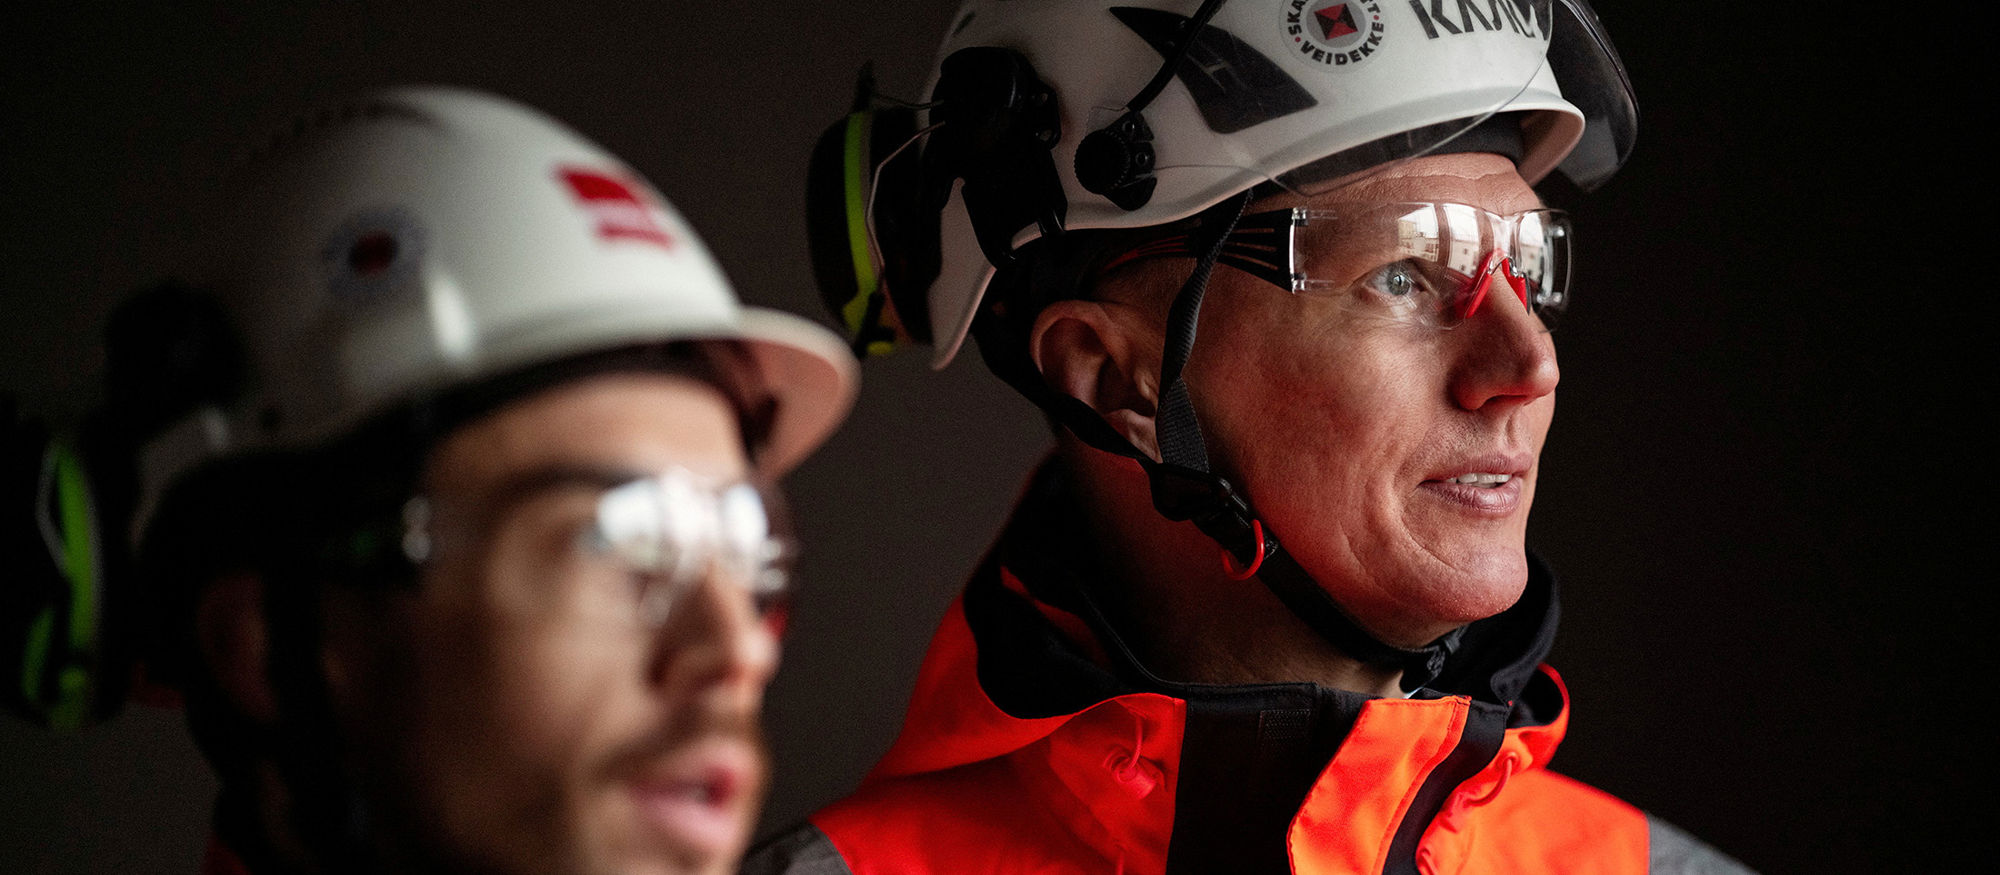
[419,239]
[1282,91]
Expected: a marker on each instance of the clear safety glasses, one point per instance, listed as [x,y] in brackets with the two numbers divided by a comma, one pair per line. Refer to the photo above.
[671,529]
[1423,263]
[633,547]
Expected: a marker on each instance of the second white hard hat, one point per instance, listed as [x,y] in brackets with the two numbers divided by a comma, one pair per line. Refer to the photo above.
[422,238]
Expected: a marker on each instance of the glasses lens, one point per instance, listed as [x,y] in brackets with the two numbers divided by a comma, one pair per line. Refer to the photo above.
[654,525]
[755,541]
[1541,256]
[669,530]
[1428,263]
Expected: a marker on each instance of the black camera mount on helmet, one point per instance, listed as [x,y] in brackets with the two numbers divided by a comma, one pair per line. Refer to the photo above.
[1116,160]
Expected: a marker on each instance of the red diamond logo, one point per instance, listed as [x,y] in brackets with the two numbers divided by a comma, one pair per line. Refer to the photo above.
[1336,20]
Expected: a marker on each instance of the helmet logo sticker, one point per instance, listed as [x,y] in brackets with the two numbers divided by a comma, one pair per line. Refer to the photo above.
[1334,34]
[371,253]
[1529,18]
[616,206]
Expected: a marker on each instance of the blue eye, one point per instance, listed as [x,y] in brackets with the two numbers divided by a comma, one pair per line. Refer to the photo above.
[1398,280]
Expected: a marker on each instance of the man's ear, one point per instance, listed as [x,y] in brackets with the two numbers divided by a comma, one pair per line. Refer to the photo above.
[1101,353]
[235,643]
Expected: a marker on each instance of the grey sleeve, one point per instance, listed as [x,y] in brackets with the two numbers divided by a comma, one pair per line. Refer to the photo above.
[1674,852]
[802,851]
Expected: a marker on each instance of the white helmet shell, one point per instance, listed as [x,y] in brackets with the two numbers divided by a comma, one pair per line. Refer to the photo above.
[421,238]
[1284,84]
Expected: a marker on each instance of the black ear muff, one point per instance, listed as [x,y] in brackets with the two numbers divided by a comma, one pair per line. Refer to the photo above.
[841,178]
[993,124]
[997,126]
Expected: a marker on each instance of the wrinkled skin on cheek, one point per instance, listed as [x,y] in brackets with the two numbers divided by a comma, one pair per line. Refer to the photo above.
[1333,447]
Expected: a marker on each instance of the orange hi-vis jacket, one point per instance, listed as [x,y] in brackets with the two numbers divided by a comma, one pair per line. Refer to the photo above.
[1035,743]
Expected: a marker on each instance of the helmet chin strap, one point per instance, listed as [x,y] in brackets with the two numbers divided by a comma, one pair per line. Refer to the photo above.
[1184,489]
[329,816]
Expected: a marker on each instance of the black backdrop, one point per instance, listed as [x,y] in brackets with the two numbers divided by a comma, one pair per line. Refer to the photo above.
[1755,493]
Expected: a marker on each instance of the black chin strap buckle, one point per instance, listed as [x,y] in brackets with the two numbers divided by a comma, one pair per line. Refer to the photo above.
[1184,494]
[1433,655]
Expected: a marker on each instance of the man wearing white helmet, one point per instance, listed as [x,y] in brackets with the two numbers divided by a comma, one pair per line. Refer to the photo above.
[456,511]
[1267,608]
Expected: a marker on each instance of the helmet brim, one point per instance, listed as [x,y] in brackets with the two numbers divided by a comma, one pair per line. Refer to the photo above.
[810,373]
[798,363]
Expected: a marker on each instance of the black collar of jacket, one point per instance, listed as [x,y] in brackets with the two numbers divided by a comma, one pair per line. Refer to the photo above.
[1250,752]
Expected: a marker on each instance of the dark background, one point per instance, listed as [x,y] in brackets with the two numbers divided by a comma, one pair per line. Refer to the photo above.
[1764,510]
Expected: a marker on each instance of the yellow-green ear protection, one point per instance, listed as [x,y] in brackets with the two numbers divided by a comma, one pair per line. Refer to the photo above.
[68,618]
[52,591]
[878,185]
[840,182]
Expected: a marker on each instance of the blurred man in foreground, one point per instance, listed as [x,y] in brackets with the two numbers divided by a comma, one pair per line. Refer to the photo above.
[455,475]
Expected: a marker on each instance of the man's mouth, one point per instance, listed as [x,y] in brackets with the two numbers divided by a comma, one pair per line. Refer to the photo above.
[1481,479]
[698,799]
[690,792]
[1492,488]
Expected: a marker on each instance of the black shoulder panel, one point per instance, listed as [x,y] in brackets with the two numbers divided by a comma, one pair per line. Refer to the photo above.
[802,851]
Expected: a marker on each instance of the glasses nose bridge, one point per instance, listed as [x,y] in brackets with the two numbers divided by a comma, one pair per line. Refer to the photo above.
[715,638]
[1496,263]
[663,592]
[717,562]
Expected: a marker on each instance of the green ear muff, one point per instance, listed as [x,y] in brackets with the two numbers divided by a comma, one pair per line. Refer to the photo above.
[855,288]
[54,606]
[62,641]
[839,182]
[69,621]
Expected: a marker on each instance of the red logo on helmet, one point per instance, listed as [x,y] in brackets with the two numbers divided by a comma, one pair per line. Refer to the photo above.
[1336,21]
[1336,33]
[620,211]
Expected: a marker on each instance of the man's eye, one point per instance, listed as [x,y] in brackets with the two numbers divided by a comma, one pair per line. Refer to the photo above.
[1398,280]
[639,552]
[593,556]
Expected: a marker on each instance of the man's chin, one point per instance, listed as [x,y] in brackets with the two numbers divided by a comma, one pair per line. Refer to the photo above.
[687,809]
[1486,583]
[1429,601]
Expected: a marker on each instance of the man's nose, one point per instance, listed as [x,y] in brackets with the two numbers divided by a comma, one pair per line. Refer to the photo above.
[1496,267]
[716,637]
[1506,356]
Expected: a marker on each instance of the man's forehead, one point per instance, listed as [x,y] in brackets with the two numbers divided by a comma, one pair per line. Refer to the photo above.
[636,420]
